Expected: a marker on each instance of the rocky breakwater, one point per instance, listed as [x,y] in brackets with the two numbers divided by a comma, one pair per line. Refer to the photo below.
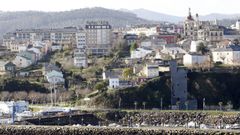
[178,118]
[57,130]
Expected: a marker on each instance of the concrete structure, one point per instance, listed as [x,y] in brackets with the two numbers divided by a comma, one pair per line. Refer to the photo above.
[229,55]
[178,85]
[80,58]
[151,70]
[7,107]
[193,59]
[98,38]
[140,52]
[116,83]
[56,47]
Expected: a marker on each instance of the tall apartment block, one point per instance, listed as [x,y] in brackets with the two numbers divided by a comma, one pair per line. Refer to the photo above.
[99,41]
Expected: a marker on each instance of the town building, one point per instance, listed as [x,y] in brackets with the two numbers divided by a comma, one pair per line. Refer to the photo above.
[151,70]
[98,37]
[130,38]
[178,86]
[55,77]
[116,83]
[229,55]
[80,58]
[194,59]
[19,107]
[195,29]
[22,61]
[173,51]
[140,52]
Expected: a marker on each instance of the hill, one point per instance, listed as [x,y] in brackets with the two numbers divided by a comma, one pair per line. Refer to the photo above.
[214,87]
[10,21]
[156,16]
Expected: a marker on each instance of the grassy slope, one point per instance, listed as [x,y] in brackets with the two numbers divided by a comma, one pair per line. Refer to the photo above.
[214,87]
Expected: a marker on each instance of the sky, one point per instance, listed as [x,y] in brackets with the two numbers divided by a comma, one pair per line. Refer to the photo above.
[172,7]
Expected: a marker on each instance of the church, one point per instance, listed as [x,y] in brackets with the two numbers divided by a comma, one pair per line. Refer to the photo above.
[195,29]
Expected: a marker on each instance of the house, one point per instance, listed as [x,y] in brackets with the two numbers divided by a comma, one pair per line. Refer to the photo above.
[55,77]
[7,107]
[193,59]
[151,70]
[116,83]
[111,74]
[22,61]
[229,55]
[48,67]
[173,50]
[140,52]
[10,67]
[37,52]
[29,55]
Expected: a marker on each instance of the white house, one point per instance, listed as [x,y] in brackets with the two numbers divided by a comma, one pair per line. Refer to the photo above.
[194,45]
[227,55]
[140,53]
[151,70]
[37,52]
[7,107]
[22,62]
[55,77]
[116,83]
[192,59]
[113,82]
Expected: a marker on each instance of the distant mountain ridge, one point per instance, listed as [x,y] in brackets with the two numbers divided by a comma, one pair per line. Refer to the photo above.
[9,21]
[155,16]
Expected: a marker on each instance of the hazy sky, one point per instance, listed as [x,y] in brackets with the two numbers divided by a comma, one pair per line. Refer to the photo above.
[173,7]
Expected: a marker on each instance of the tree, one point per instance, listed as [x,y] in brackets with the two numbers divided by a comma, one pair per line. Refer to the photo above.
[127,72]
[236,42]
[202,48]
[133,46]
[101,86]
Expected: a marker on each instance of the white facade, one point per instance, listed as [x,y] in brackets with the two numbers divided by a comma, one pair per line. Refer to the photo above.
[37,51]
[80,58]
[113,82]
[140,53]
[151,71]
[22,62]
[7,107]
[144,30]
[55,77]
[228,55]
[193,59]
[56,47]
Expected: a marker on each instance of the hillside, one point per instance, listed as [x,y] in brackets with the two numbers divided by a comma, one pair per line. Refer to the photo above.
[214,87]
[10,21]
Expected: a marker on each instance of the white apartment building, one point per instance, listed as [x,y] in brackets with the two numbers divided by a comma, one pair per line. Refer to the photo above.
[80,58]
[151,70]
[98,38]
[229,55]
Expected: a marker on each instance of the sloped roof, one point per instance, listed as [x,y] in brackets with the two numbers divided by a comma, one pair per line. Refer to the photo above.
[54,74]
[228,48]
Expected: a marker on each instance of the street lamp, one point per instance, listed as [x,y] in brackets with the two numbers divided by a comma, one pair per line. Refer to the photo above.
[135,104]
[144,105]
[161,103]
